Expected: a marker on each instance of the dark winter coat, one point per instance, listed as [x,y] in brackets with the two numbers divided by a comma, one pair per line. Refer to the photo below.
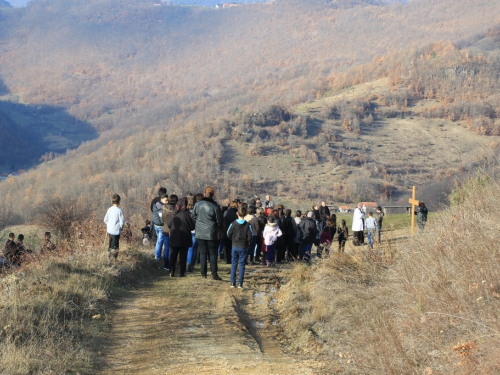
[324,212]
[208,218]
[258,223]
[240,233]
[289,230]
[308,230]
[181,224]
[229,216]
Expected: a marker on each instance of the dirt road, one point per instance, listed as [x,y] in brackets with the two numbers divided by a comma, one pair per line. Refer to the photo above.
[191,325]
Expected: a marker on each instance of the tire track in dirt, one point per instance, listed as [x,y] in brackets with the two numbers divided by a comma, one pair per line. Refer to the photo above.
[196,326]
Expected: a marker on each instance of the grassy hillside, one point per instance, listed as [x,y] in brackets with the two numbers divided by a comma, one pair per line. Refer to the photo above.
[352,131]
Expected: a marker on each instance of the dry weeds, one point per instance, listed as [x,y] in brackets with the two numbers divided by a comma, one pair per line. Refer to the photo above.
[53,307]
[427,305]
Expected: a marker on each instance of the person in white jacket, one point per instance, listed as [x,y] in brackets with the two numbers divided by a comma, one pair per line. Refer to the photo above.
[358,224]
[114,221]
[271,234]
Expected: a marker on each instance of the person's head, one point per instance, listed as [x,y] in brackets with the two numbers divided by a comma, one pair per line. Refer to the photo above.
[181,204]
[258,204]
[47,235]
[259,211]
[164,198]
[268,197]
[20,237]
[115,199]
[233,204]
[281,212]
[198,197]
[298,213]
[330,222]
[360,205]
[274,213]
[190,201]
[270,219]
[251,210]
[173,199]
[12,236]
[379,209]
[315,207]
[280,206]
[242,211]
[161,191]
[288,212]
[148,222]
[323,204]
[257,200]
[342,223]
[209,192]
[421,204]
[310,214]
[370,213]
[252,202]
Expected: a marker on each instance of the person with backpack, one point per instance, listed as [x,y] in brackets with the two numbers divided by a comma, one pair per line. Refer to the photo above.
[240,233]
[309,232]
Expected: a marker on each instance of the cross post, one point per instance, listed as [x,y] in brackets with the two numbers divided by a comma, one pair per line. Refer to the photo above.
[413,203]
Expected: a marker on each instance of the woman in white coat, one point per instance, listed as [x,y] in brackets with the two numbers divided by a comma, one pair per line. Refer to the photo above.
[358,224]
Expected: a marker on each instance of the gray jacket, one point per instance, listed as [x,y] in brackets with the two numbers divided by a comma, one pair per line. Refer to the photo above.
[208,218]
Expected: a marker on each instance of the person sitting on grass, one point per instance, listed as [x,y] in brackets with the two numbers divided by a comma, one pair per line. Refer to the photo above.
[114,221]
[47,244]
[240,234]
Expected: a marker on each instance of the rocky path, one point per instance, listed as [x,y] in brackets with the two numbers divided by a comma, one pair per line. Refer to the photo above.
[195,326]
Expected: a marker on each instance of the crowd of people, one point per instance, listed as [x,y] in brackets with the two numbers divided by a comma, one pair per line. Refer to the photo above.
[196,228]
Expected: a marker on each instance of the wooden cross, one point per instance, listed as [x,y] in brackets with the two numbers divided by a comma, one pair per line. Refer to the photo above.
[413,203]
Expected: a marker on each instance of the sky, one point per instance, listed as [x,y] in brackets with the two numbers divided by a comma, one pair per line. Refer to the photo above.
[18,3]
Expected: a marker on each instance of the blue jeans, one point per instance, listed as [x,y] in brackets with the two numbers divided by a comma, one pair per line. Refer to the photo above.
[166,251]
[159,241]
[271,250]
[305,252]
[238,255]
[371,233]
[190,256]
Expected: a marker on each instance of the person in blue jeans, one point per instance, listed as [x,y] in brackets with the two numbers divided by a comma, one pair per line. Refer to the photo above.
[158,223]
[371,226]
[240,234]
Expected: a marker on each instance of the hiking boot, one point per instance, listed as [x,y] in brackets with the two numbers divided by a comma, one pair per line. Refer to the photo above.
[233,285]
[204,276]
[216,277]
[240,286]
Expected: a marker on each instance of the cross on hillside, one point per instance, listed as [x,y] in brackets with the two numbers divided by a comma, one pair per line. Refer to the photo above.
[413,203]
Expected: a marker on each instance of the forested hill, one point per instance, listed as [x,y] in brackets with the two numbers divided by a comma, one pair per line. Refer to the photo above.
[222,80]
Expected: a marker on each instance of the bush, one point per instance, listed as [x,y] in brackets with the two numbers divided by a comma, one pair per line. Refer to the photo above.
[59,216]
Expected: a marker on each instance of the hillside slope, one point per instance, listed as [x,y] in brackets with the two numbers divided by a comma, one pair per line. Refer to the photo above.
[219,77]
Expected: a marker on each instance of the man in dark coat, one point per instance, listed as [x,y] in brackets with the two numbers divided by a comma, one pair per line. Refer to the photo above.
[229,216]
[180,224]
[208,219]
[308,233]
[324,214]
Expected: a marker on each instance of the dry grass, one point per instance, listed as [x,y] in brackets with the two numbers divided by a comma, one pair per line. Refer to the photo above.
[429,305]
[53,307]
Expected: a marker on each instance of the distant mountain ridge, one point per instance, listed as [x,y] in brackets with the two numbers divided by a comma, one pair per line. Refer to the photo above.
[4,4]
